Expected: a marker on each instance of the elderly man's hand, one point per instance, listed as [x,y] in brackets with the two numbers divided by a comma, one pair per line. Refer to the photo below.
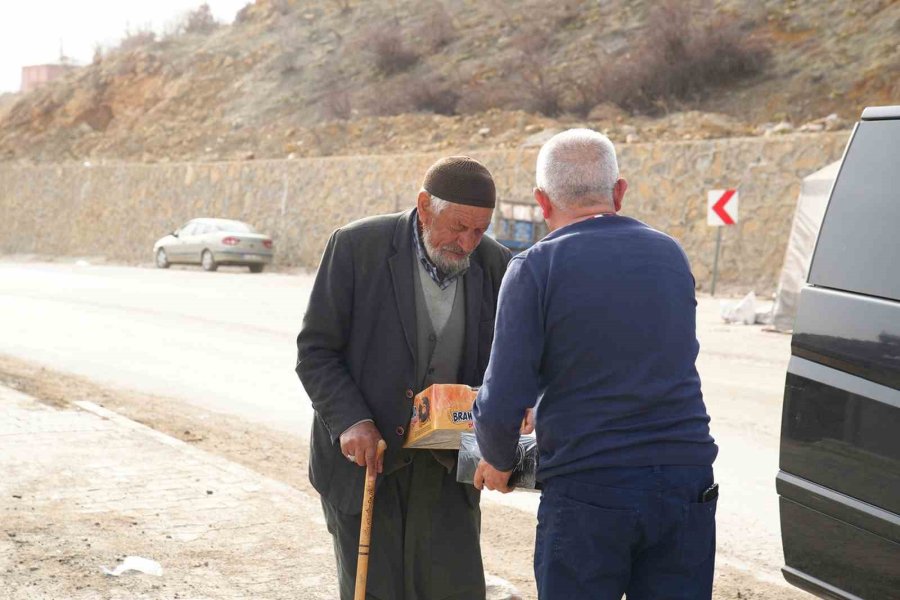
[359,444]
[488,477]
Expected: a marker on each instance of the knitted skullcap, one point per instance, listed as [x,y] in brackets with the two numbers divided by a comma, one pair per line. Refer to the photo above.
[461,180]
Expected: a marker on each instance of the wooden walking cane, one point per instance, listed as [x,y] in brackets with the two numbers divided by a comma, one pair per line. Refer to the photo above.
[365,525]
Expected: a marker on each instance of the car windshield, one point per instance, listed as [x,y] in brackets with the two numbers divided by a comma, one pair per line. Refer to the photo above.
[234,227]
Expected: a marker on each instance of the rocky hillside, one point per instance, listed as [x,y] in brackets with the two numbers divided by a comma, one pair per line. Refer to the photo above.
[294,78]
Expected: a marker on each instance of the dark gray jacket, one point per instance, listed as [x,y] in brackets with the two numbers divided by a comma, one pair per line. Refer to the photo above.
[357,346]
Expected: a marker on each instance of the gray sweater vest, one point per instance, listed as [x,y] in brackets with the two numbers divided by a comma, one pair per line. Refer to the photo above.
[439,355]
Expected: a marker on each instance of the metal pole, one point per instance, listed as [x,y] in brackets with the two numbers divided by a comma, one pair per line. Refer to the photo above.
[712,292]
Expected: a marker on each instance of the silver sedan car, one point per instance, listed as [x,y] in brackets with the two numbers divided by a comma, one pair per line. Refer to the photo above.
[214,242]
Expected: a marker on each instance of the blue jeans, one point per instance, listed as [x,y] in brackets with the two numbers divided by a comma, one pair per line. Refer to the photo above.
[641,531]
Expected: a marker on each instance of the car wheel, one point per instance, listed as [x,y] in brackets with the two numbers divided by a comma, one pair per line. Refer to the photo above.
[162,260]
[208,262]
[256,268]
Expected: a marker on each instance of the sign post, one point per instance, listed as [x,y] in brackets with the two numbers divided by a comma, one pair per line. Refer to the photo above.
[721,211]
[716,261]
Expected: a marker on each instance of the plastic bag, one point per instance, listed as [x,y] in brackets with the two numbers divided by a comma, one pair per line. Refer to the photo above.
[135,563]
[743,311]
[524,475]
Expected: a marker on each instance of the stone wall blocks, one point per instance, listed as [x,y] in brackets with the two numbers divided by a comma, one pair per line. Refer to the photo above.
[302,201]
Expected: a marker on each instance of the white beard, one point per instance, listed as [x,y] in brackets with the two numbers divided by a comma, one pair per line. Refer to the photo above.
[450,267]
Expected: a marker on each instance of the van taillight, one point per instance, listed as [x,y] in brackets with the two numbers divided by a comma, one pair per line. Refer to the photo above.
[267,243]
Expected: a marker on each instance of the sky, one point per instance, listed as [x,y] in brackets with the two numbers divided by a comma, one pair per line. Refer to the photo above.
[31,30]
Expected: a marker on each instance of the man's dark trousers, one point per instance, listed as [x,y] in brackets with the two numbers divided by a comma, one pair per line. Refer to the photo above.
[638,531]
[424,544]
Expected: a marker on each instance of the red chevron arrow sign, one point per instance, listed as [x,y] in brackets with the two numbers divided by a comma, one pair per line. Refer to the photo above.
[722,207]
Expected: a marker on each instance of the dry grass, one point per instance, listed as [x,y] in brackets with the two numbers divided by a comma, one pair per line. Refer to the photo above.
[688,48]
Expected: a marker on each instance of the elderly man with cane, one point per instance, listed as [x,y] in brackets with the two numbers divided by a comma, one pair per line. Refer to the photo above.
[596,325]
[402,302]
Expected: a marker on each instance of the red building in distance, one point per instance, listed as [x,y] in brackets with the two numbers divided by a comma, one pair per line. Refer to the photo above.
[34,76]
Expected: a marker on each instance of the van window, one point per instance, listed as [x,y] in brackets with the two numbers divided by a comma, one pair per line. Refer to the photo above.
[859,243]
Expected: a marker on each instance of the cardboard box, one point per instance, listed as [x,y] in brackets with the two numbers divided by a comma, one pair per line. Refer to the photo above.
[440,414]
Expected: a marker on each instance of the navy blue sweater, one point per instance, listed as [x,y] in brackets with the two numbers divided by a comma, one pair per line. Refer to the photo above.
[596,326]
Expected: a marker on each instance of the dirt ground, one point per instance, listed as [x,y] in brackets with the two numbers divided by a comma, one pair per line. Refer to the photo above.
[508,533]
[85,487]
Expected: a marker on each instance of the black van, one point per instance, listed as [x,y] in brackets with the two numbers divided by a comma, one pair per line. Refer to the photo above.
[839,471]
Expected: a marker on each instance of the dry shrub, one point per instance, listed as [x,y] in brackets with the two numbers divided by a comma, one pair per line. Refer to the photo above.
[337,104]
[135,40]
[387,98]
[437,30]
[542,89]
[529,81]
[245,14]
[568,17]
[435,95]
[506,11]
[288,62]
[538,87]
[587,91]
[684,57]
[389,52]
[335,96]
[200,21]
[480,96]
[343,6]
[532,42]
[260,10]
[405,93]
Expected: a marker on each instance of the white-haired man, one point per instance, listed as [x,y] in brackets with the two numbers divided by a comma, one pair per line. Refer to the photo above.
[596,325]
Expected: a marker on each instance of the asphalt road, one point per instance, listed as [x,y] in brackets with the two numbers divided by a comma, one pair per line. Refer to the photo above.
[224,341]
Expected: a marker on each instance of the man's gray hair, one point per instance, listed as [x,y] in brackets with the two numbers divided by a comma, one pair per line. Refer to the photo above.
[578,168]
[437,205]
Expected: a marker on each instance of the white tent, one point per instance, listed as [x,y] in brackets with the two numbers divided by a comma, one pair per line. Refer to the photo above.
[808,217]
